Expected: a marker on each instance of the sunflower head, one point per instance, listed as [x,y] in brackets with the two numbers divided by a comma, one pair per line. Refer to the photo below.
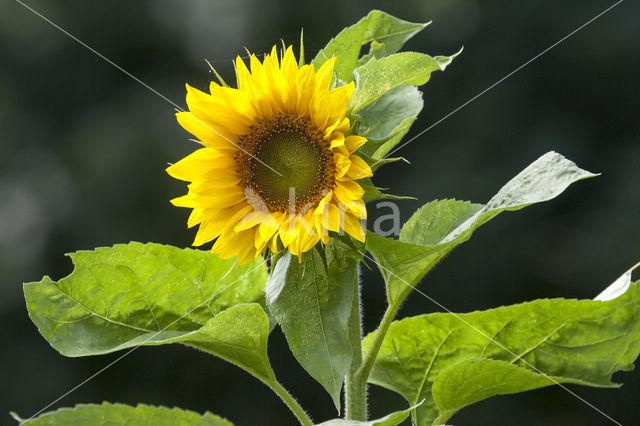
[277,169]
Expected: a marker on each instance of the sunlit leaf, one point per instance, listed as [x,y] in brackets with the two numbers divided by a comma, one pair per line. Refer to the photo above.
[312,301]
[107,414]
[453,360]
[439,226]
[386,34]
[378,76]
[475,379]
[150,294]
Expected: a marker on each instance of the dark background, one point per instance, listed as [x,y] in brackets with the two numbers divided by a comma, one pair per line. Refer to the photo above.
[83,149]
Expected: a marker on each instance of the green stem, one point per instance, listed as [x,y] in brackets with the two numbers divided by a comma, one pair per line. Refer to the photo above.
[293,405]
[355,389]
[372,353]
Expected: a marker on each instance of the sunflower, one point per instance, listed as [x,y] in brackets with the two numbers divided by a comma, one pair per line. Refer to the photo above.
[277,168]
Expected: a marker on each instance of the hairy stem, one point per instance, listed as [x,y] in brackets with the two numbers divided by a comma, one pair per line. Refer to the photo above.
[372,353]
[293,405]
[355,389]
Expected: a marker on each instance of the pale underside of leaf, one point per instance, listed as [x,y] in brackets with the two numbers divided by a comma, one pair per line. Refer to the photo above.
[438,227]
[387,120]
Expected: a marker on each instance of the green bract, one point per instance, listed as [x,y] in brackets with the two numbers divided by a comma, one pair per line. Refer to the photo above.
[136,294]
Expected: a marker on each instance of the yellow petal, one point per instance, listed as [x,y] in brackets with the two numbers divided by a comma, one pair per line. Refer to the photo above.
[209,199]
[219,112]
[347,191]
[250,220]
[332,218]
[287,230]
[259,242]
[209,135]
[339,99]
[243,76]
[289,65]
[274,244]
[354,228]
[322,204]
[198,215]
[196,164]
[325,74]
[354,142]
[359,169]
[336,140]
[342,164]
[219,223]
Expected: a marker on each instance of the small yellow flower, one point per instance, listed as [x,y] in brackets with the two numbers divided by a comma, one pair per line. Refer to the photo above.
[278,168]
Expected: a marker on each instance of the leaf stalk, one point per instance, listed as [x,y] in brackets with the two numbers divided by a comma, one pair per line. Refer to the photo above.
[293,405]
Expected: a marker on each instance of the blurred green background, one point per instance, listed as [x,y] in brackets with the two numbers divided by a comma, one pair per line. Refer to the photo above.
[83,149]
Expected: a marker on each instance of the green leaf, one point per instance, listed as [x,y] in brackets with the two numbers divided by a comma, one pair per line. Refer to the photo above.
[386,34]
[312,301]
[238,335]
[150,294]
[391,115]
[108,414]
[392,419]
[378,76]
[475,379]
[439,226]
[453,360]
[383,148]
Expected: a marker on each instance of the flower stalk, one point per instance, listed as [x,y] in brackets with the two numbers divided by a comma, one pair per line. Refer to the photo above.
[355,388]
[356,382]
[381,333]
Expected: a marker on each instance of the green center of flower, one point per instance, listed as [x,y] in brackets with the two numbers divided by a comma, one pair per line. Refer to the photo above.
[287,165]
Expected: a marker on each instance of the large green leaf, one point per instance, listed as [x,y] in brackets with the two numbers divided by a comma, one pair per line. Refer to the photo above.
[391,115]
[439,226]
[378,76]
[150,294]
[453,360]
[386,33]
[475,379]
[392,419]
[312,301]
[238,335]
[108,414]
